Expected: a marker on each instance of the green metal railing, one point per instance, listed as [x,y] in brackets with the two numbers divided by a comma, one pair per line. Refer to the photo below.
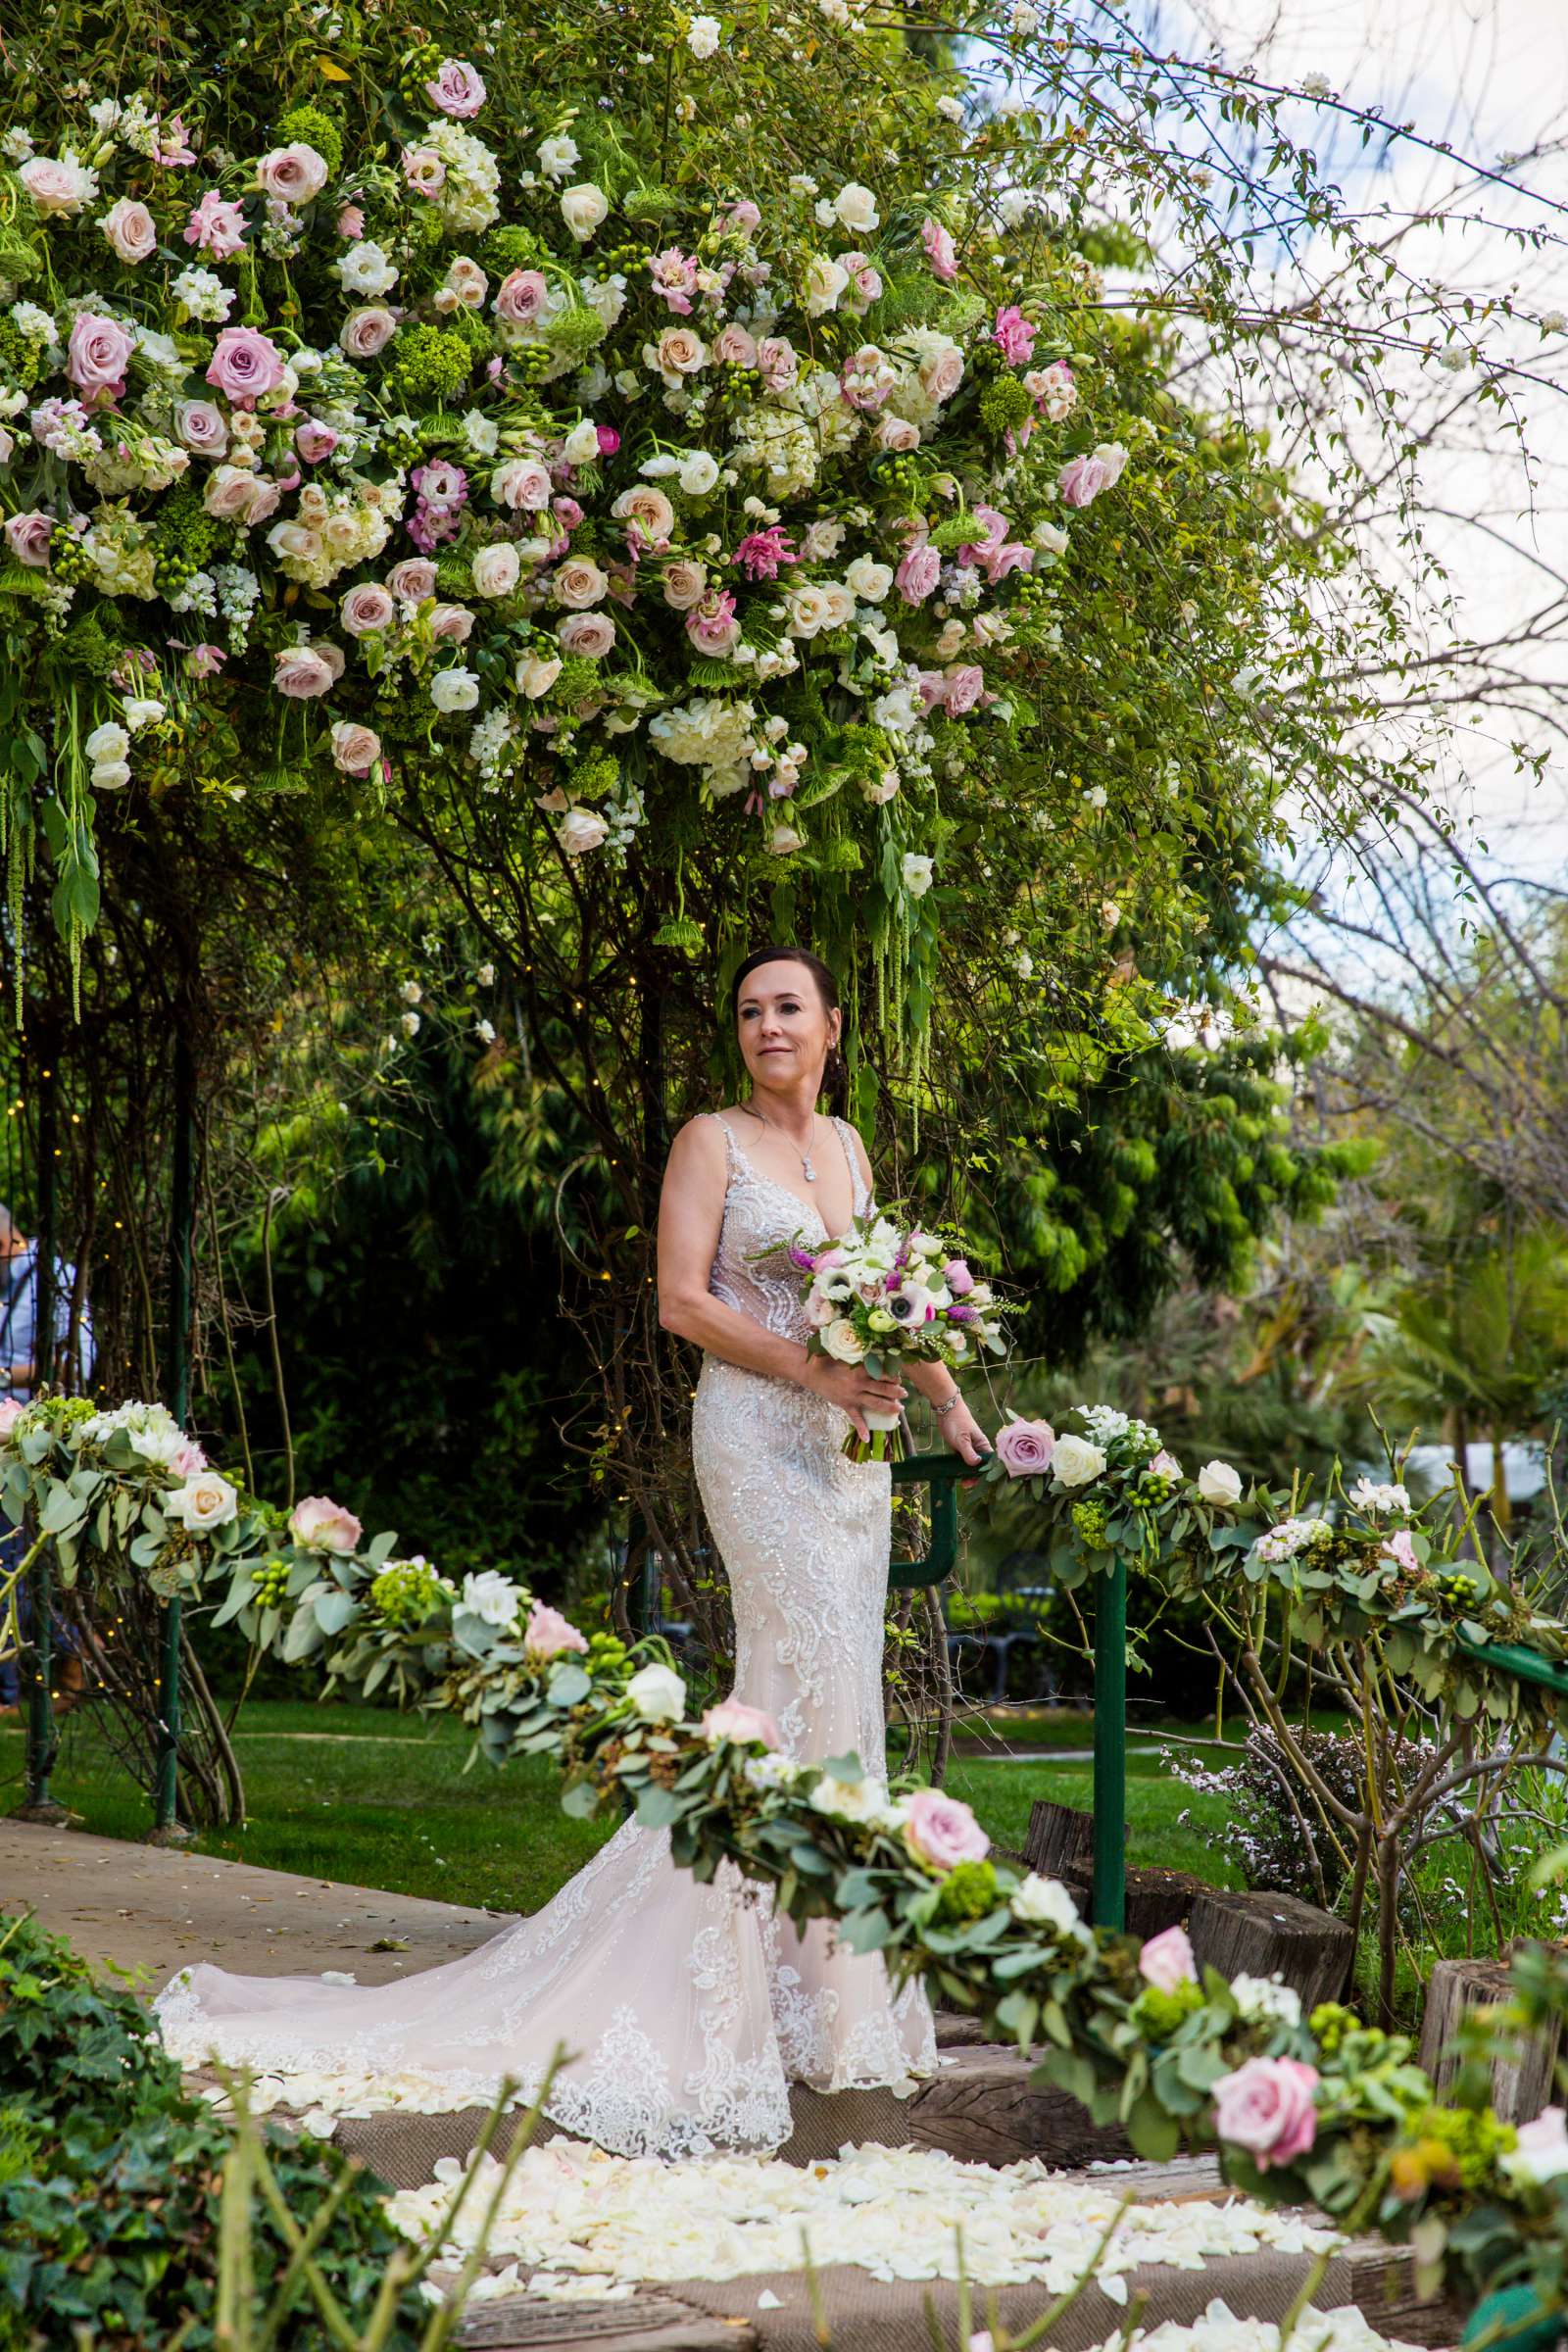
[943,1474]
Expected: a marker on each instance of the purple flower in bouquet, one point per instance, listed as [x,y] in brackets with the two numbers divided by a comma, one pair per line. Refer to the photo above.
[761,553]
[1014,335]
[674,279]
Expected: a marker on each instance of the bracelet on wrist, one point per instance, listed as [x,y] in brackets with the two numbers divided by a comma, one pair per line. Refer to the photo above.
[941,1410]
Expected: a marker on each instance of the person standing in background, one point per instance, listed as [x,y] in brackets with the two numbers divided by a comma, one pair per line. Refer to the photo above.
[20,1308]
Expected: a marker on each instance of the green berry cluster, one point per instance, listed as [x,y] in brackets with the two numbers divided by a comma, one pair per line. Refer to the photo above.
[429,363]
[68,559]
[270,1581]
[1460,1589]
[1474,2139]
[903,471]
[405,1593]
[605,1652]
[402,442]
[1089,1522]
[1154,1486]
[1331,2022]
[421,65]
[968,1891]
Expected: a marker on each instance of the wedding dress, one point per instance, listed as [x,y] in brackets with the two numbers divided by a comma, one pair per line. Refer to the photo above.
[688,2008]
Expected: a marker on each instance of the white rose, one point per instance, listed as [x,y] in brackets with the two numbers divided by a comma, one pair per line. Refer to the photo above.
[581,830]
[855,207]
[535,674]
[111,775]
[864,1801]
[455,689]
[581,445]
[702,39]
[843,1342]
[825,282]
[1218,1483]
[657,1694]
[108,742]
[698,474]
[1075,1462]
[1049,540]
[583,207]
[1542,2153]
[916,872]
[201,1503]
[495,569]
[869,579]
[142,710]
[810,610]
[1046,1903]
[492,1597]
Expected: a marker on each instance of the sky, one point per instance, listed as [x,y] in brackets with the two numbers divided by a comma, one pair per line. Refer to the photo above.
[1491,76]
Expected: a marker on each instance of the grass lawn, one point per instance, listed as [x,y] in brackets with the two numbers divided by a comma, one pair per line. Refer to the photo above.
[379,1799]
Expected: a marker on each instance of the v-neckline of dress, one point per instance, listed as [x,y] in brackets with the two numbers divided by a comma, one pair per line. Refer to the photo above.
[813,1208]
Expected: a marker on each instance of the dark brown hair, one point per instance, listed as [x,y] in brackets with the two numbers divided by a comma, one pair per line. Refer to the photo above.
[836,1073]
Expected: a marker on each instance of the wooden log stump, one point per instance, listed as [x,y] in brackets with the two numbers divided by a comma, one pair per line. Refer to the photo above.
[1273,1934]
[1155,1899]
[1521,2087]
[1059,1836]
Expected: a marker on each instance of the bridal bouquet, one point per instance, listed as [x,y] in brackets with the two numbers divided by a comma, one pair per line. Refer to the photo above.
[883,1295]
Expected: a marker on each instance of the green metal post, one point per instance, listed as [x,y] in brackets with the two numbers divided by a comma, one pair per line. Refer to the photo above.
[166,1829]
[1109,1899]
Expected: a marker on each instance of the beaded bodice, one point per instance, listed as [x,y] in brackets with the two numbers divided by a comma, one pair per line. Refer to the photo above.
[752,1271]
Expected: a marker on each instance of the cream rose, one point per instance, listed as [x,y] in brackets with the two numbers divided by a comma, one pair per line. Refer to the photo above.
[130,229]
[843,1342]
[302,672]
[354,749]
[581,830]
[1074,1463]
[657,1694]
[496,568]
[869,581]
[680,352]
[1219,1484]
[579,583]
[649,509]
[685,584]
[590,635]
[583,207]
[367,609]
[205,1501]
[536,673]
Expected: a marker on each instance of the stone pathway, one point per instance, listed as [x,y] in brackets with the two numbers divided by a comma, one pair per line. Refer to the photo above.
[150,1908]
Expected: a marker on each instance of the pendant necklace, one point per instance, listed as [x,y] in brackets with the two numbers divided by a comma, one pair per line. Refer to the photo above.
[804,1157]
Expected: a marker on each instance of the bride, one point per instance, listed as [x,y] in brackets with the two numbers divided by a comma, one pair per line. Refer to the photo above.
[688,2009]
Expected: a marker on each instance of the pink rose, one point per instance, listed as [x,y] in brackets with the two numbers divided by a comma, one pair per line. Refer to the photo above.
[457,90]
[293,174]
[777,363]
[354,749]
[10,1413]
[1400,1549]
[941,1831]
[1024,1447]
[579,583]
[1080,480]
[938,249]
[199,424]
[366,330]
[1165,1464]
[685,584]
[741,218]
[245,366]
[367,608]
[451,624]
[301,672]
[957,1277]
[1269,2106]
[187,1460]
[735,345]
[548,1635]
[130,229]
[216,225]
[351,223]
[314,441]
[98,356]
[919,573]
[413,579]
[54,184]
[896,433]
[590,635]
[520,296]
[317,1524]
[27,536]
[865,282]
[962,687]
[522,484]
[681,352]
[1014,335]
[732,1718]
[1166,1960]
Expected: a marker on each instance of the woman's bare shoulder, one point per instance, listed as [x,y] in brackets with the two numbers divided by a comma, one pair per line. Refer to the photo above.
[700,1140]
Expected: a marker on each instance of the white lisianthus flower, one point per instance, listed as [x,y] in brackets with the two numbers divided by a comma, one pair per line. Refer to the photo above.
[557,156]
[203,1502]
[142,710]
[864,1800]
[917,873]
[364,269]
[455,690]
[1316,85]
[581,445]
[697,473]
[1051,539]
[1218,1483]
[1541,2152]
[1267,1997]
[1075,1462]
[825,282]
[1046,1903]
[657,1693]
[491,1598]
[703,36]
